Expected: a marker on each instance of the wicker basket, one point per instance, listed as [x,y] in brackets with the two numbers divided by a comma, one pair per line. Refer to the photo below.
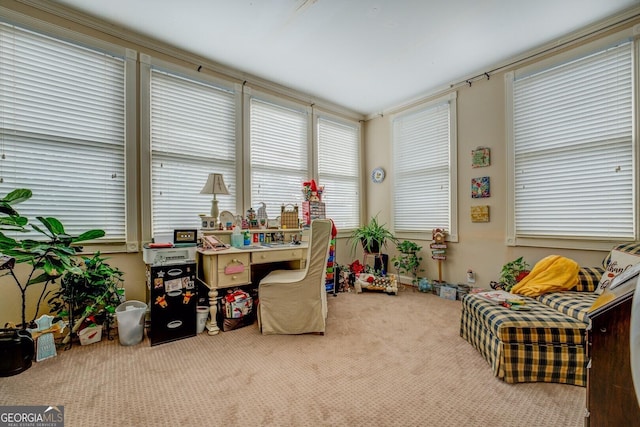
[289,216]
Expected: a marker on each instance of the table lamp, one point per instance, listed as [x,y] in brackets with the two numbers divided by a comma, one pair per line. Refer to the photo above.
[214,185]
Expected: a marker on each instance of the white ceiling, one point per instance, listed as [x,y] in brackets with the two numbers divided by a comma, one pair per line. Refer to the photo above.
[367,56]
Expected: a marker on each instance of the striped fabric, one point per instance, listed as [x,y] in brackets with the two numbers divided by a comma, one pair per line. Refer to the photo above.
[546,344]
[526,346]
[589,277]
[632,248]
[571,303]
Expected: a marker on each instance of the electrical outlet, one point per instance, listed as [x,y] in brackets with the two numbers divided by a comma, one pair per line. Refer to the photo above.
[471,277]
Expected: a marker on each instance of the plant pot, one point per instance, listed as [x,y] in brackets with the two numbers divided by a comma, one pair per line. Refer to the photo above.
[373,248]
[16,351]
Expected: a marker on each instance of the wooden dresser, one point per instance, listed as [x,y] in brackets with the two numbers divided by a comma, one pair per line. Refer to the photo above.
[611,398]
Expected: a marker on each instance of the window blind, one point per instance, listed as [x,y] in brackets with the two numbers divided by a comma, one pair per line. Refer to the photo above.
[279,154]
[421,196]
[192,133]
[573,148]
[62,130]
[339,170]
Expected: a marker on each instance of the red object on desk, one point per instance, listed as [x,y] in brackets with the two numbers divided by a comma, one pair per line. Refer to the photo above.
[161,245]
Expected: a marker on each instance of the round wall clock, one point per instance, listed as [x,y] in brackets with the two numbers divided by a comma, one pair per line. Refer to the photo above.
[377,175]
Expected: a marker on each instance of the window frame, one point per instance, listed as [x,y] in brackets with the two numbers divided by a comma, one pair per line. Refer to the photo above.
[147,63]
[568,242]
[130,242]
[248,94]
[452,230]
[317,116]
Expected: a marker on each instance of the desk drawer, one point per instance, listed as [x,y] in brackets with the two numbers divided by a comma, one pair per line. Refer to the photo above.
[234,278]
[275,256]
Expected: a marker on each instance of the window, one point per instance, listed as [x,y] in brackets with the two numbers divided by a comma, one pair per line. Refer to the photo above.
[424,159]
[65,128]
[339,170]
[192,133]
[572,146]
[279,147]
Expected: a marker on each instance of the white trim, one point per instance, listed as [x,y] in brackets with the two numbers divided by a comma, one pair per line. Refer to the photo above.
[572,39]
[147,63]
[316,116]
[130,243]
[510,237]
[579,52]
[145,149]
[131,152]
[197,61]
[575,53]
[452,232]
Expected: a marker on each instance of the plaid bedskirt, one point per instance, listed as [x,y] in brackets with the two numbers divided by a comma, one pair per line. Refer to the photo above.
[541,345]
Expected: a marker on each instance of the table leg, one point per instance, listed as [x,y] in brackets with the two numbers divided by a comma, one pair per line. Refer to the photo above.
[212,324]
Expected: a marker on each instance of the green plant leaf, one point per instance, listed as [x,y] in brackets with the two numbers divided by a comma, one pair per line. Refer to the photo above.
[16,222]
[44,277]
[53,225]
[18,196]
[89,235]
[6,241]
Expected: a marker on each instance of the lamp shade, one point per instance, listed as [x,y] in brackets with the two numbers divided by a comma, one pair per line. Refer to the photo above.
[214,185]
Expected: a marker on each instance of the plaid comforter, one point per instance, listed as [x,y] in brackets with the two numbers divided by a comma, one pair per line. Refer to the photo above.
[541,345]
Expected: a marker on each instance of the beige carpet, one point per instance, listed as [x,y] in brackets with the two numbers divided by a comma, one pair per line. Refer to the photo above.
[384,361]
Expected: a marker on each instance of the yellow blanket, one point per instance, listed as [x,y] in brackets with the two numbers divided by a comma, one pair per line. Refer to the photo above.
[551,274]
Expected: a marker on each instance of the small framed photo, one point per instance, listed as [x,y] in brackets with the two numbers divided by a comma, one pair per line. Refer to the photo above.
[480,213]
[480,157]
[480,187]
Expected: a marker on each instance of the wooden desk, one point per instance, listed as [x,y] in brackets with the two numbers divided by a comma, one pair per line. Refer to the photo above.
[233,267]
[611,398]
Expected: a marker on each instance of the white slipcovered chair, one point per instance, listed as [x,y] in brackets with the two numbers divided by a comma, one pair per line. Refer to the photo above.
[295,301]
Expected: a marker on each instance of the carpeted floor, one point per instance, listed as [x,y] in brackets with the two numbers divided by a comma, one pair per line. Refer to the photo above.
[384,361]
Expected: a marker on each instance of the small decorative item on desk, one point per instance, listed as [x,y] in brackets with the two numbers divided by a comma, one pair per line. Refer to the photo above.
[311,191]
[262,216]
[289,216]
[207,222]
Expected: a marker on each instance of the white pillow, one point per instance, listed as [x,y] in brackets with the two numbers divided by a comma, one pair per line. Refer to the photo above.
[619,262]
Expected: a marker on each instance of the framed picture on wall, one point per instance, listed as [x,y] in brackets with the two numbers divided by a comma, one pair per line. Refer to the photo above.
[480,187]
[480,157]
[480,213]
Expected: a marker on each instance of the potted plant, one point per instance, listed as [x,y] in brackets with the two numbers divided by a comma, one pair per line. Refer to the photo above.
[50,257]
[372,236]
[408,261]
[512,272]
[88,298]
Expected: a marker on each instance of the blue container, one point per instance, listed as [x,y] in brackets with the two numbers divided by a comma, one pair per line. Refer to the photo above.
[424,285]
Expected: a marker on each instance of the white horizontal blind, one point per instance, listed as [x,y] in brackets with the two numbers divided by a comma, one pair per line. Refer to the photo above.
[573,148]
[339,170]
[421,142]
[192,135]
[62,130]
[279,155]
